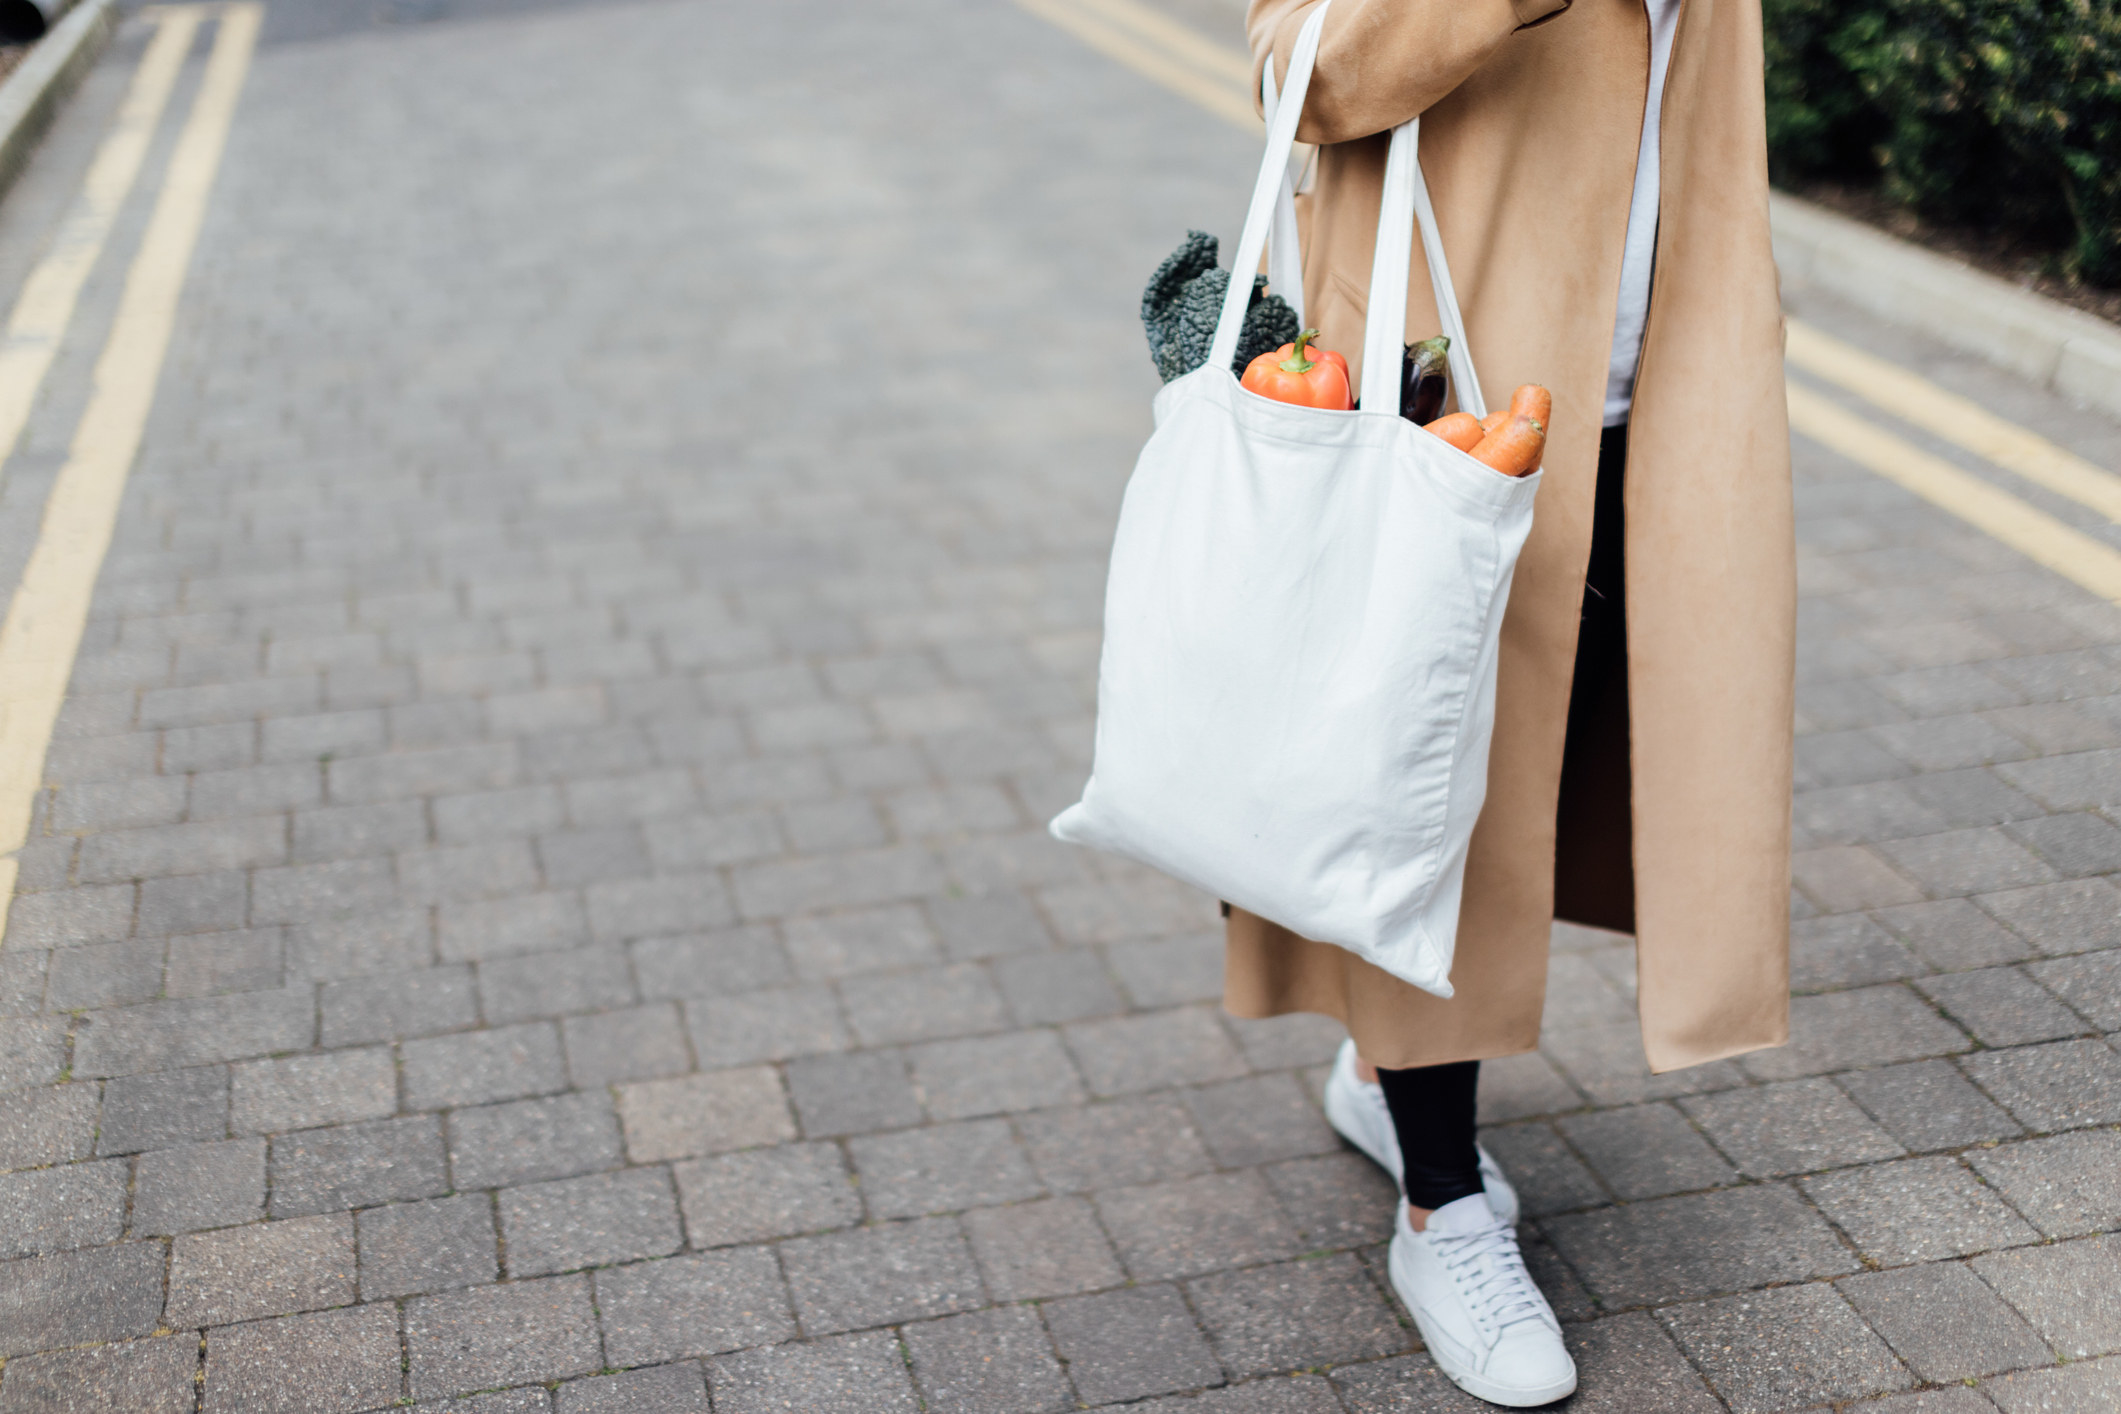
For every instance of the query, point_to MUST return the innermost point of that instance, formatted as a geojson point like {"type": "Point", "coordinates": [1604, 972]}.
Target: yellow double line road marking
{"type": "Point", "coordinates": [1219, 79]}
{"type": "Point", "coordinates": [42, 631]}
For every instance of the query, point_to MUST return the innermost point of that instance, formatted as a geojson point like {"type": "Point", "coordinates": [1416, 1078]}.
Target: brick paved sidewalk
{"type": "Point", "coordinates": [543, 886]}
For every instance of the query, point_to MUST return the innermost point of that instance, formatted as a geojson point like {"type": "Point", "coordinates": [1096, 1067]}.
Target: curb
{"type": "Point", "coordinates": [31, 95]}
{"type": "Point", "coordinates": [2066, 350]}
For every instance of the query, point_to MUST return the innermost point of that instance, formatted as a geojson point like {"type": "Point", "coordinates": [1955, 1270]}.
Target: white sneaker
{"type": "Point", "coordinates": [1483, 1319]}
{"type": "Point", "coordinates": [1358, 1111]}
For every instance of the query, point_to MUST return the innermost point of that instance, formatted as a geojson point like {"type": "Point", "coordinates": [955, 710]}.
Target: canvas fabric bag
{"type": "Point", "coordinates": [1297, 686]}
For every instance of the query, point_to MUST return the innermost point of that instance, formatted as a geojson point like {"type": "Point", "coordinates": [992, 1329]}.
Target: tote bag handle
{"type": "Point", "coordinates": [1405, 205]}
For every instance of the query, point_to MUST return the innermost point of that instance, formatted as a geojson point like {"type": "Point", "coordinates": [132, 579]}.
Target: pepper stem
{"type": "Point", "coordinates": [1296, 362]}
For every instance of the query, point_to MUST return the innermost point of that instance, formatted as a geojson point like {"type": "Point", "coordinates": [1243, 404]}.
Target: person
{"type": "Point", "coordinates": [1599, 170]}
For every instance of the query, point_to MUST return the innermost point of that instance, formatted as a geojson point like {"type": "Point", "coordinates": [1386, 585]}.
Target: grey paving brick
{"type": "Point", "coordinates": [196, 1031]}
{"type": "Point", "coordinates": [473, 1067]}
{"type": "Point", "coordinates": [551, 984]}
{"type": "Point", "coordinates": [66, 917]}
{"type": "Point", "coordinates": [2060, 918]}
{"type": "Point", "coordinates": [2091, 984]}
{"type": "Point", "coordinates": [1917, 1210]}
{"type": "Point", "coordinates": [54, 1124]}
{"type": "Point", "coordinates": [1170, 971]}
{"type": "Point", "coordinates": [2002, 1006]}
{"type": "Point", "coordinates": [704, 1114]}
{"type": "Point", "coordinates": [454, 873]}
{"type": "Point", "coordinates": [1130, 1343]}
{"type": "Point", "coordinates": [1697, 1245]}
{"type": "Point", "coordinates": [424, 1002]}
{"type": "Point", "coordinates": [1296, 1394]}
{"type": "Point", "coordinates": [881, 1275]}
{"type": "Point", "coordinates": [852, 1094]}
{"type": "Point", "coordinates": [2073, 845]}
{"type": "Point", "coordinates": [994, 1359]}
{"type": "Point", "coordinates": [196, 1186]}
{"type": "Point", "coordinates": [1515, 1087]}
{"type": "Point", "coordinates": [987, 925]}
{"type": "Point", "coordinates": [2079, 781]}
{"type": "Point", "coordinates": [500, 1335]}
{"type": "Point", "coordinates": [1335, 1200]}
{"type": "Point", "coordinates": [1928, 1105]}
{"type": "Point", "coordinates": [1259, 1120]}
{"type": "Point", "coordinates": [115, 855]}
{"type": "Point", "coordinates": [32, 1051]}
{"type": "Point", "coordinates": [2061, 1085]}
{"type": "Point", "coordinates": [326, 1360]}
{"type": "Point", "coordinates": [1607, 1064]}
{"type": "Point", "coordinates": [62, 1208]}
{"type": "Point", "coordinates": [773, 1023]}
{"type": "Point", "coordinates": [693, 1305]}
{"type": "Point", "coordinates": [635, 1044]}
{"type": "Point", "coordinates": [383, 1161]}
{"type": "Point", "coordinates": [623, 910]}
{"type": "Point", "coordinates": [1648, 1151]}
{"type": "Point", "coordinates": [371, 945]}
{"type": "Point", "coordinates": [1298, 1039]}
{"type": "Point", "coordinates": [1323, 1311]}
{"type": "Point", "coordinates": [163, 1109]}
{"type": "Point", "coordinates": [1044, 988]}
{"type": "Point", "coordinates": [1133, 1053]}
{"type": "Point", "coordinates": [483, 929]}
{"type": "Point", "coordinates": [1409, 1383]}
{"type": "Point", "coordinates": [1021, 1071]}
{"type": "Point", "coordinates": [134, 1377]}
{"type": "Point", "coordinates": [2066, 1290]}
{"type": "Point", "coordinates": [211, 964]}
{"type": "Point", "coordinates": [101, 1293]}
{"type": "Point", "coordinates": [942, 1168]}
{"type": "Point", "coordinates": [708, 841]}
{"type": "Point", "coordinates": [765, 1193]}
{"type": "Point", "coordinates": [2067, 1186]}
{"type": "Point", "coordinates": [1944, 1322]}
{"type": "Point", "coordinates": [403, 775]}
{"type": "Point", "coordinates": [1953, 934]}
{"type": "Point", "coordinates": [1189, 1226]}
{"type": "Point", "coordinates": [193, 903]}
{"type": "Point", "coordinates": [833, 945]}
{"type": "Point", "coordinates": [709, 964]}
{"type": "Point", "coordinates": [1845, 1030]}
{"type": "Point", "coordinates": [299, 1092]}
{"type": "Point", "coordinates": [924, 1005]}
{"type": "Point", "coordinates": [485, 815]}
{"type": "Point", "coordinates": [1031, 1251]}
{"type": "Point", "coordinates": [2092, 1386]}
{"type": "Point", "coordinates": [1112, 1145]}
{"type": "Point", "coordinates": [1783, 1349]}
{"type": "Point", "coordinates": [854, 1374]}
{"type": "Point", "coordinates": [497, 1146]}
{"type": "Point", "coordinates": [1846, 950]}
{"type": "Point", "coordinates": [22, 977]}
{"type": "Point", "coordinates": [213, 747]}
{"type": "Point", "coordinates": [268, 1269]}
{"type": "Point", "coordinates": [594, 1220]}
{"type": "Point", "coordinates": [412, 1249]}
{"type": "Point", "coordinates": [1548, 1177]}
{"type": "Point", "coordinates": [1794, 1127]}
{"type": "Point", "coordinates": [667, 1389]}
{"type": "Point", "coordinates": [572, 857]}
{"type": "Point", "coordinates": [1627, 1363]}
{"type": "Point", "coordinates": [1842, 878]}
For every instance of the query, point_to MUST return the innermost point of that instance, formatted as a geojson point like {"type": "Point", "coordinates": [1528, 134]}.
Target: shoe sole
{"type": "Point", "coordinates": [1476, 1385]}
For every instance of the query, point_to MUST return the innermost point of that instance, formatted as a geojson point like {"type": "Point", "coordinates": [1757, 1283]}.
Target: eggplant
{"type": "Point", "coordinates": [1425, 380]}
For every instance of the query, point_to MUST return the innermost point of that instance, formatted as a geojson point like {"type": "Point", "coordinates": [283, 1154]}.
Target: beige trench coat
{"type": "Point", "coordinates": [1532, 114]}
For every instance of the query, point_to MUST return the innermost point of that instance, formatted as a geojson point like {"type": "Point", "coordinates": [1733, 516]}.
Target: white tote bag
{"type": "Point", "coordinates": [1297, 687]}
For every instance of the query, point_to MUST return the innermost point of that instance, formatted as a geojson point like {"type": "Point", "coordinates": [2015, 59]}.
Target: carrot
{"type": "Point", "coordinates": [1461, 429]}
{"type": "Point", "coordinates": [1493, 420]}
{"type": "Point", "coordinates": [1518, 441]}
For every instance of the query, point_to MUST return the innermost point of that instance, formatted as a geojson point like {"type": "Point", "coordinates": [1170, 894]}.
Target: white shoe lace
{"type": "Point", "coordinates": [1489, 1269]}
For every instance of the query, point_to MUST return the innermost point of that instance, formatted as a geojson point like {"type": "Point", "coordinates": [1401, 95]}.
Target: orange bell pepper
{"type": "Point", "coordinates": [1291, 375]}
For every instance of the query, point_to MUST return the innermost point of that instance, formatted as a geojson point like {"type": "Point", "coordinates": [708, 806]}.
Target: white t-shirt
{"type": "Point", "coordinates": [1641, 250]}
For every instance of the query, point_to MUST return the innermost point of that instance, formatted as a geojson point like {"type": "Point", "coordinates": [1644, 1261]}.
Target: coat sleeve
{"type": "Point", "coordinates": [1381, 62]}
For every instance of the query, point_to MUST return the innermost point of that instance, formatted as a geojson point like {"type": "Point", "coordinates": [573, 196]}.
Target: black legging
{"type": "Point", "coordinates": [1433, 1106]}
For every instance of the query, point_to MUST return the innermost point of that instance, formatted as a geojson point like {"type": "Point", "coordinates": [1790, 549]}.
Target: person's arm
{"type": "Point", "coordinates": [1381, 62]}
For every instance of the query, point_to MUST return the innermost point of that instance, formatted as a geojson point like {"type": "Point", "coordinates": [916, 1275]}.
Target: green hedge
{"type": "Point", "coordinates": [1999, 114]}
